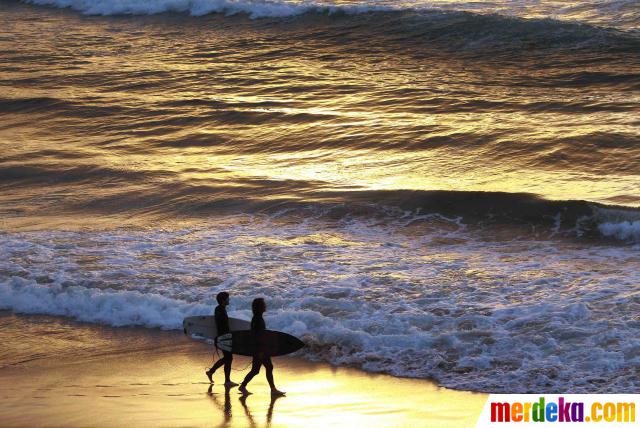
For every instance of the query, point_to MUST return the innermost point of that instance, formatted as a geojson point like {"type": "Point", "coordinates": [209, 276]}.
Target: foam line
{"type": "Point", "coordinates": [111, 307]}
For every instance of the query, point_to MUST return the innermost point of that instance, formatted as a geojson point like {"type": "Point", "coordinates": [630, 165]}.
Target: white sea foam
{"type": "Point", "coordinates": [253, 8]}
{"type": "Point", "coordinates": [624, 231]}
{"type": "Point", "coordinates": [612, 12]}
{"type": "Point", "coordinates": [111, 307]}
{"type": "Point", "coordinates": [494, 316]}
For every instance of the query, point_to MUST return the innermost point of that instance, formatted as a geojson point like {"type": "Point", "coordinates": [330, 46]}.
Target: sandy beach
{"type": "Point", "coordinates": [57, 372]}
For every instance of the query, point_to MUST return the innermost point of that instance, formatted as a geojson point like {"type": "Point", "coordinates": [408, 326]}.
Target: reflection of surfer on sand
{"type": "Point", "coordinates": [258, 326]}
{"type": "Point", "coordinates": [222, 325]}
{"type": "Point", "coordinates": [247, 412]}
{"type": "Point", "coordinates": [226, 407]}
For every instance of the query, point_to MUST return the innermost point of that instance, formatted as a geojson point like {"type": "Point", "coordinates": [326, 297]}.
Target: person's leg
{"type": "Point", "coordinates": [268, 366]}
{"type": "Point", "coordinates": [219, 363]}
{"type": "Point", "coordinates": [216, 366]}
{"type": "Point", "coordinates": [226, 360]}
{"type": "Point", "coordinates": [228, 357]}
{"type": "Point", "coordinates": [255, 369]}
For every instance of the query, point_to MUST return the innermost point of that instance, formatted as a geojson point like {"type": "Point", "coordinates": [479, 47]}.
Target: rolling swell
{"type": "Point", "coordinates": [529, 213]}
{"type": "Point", "coordinates": [622, 12]}
{"type": "Point", "coordinates": [459, 31]}
{"type": "Point", "coordinates": [158, 195]}
{"type": "Point", "coordinates": [30, 175]}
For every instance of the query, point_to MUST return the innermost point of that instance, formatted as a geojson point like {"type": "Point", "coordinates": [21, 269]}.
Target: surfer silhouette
{"type": "Point", "coordinates": [258, 326]}
{"type": "Point", "coordinates": [222, 324]}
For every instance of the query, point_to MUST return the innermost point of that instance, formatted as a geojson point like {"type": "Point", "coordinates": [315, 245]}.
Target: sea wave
{"type": "Point", "coordinates": [466, 29]}
{"type": "Point", "coordinates": [110, 307]}
{"type": "Point", "coordinates": [255, 9]}
{"type": "Point", "coordinates": [470, 314]}
{"type": "Point", "coordinates": [155, 195]}
{"type": "Point", "coordinates": [524, 348]}
{"type": "Point", "coordinates": [610, 11]}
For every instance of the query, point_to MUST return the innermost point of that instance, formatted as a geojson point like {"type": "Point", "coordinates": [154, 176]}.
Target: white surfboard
{"type": "Point", "coordinates": [205, 326]}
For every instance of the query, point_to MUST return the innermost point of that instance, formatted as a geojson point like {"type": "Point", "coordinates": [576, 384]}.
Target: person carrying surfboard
{"type": "Point", "coordinates": [258, 326]}
{"type": "Point", "coordinates": [222, 324]}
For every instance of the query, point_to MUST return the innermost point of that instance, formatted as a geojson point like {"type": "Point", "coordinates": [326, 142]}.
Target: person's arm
{"type": "Point", "coordinates": [258, 325]}
{"type": "Point", "coordinates": [219, 317]}
{"type": "Point", "coordinates": [225, 321]}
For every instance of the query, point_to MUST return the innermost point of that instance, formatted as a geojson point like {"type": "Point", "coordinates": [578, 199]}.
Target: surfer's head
{"type": "Point", "coordinates": [258, 306]}
{"type": "Point", "coordinates": [222, 298]}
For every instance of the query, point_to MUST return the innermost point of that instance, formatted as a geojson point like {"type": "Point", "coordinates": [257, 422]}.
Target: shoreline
{"type": "Point", "coordinates": [58, 372]}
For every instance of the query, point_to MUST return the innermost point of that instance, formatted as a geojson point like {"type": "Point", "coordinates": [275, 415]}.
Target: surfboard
{"type": "Point", "coordinates": [269, 343]}
{"type": "Point", "coordinates": [205, 326]}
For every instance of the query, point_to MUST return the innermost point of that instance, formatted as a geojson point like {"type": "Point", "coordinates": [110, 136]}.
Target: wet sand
{"type": "Point", "coordinates": [56, 372]}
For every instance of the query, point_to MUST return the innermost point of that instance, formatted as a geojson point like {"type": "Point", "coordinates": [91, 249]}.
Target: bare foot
{"type": "Point", "coordinates": [243, 390]}
{"type": "Point", "coordinates": [277, 393]}
{"type": "Point", "coordinates": [230, 384]}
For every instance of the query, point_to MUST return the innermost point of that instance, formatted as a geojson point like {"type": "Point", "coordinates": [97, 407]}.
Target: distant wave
{"type": "Point", "coordinates": [616, 10]}
{"type": "Point", "coordinates": [453, 29]}
{"type": "Point", "coordinates": [255, 9]}
{"type": "Point", "coordinates": [573, 218]}
{"type": "Point", "coordinates": [570, 218]}
{"type": "Point", "coordinates": [174, 113]}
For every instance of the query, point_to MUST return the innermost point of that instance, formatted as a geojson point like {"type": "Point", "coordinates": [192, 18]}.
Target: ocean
{"type": "Point", "coordinates": [433, 189]}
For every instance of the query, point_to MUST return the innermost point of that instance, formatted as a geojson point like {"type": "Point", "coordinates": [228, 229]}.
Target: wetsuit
{"type": "Point", "coordinates": [222, 324]}
{"type": "Point", "coordinates": [258, 325]}
{"type": "Point", "coordinates": [222, 320]}
{"type": "Point", "coordinates": [259, 359]}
